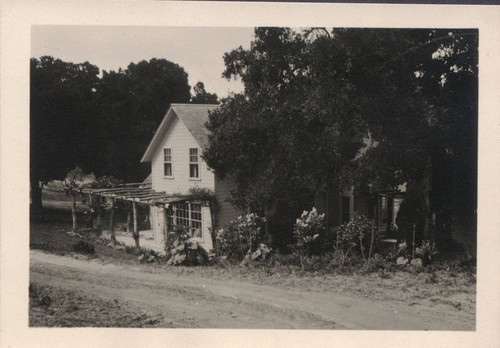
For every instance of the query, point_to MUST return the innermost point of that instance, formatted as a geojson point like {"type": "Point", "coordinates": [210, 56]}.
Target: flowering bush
{"type": "Point", "coordinates": [175, 238]}
{"type": "Point", "coordinates": [355, 235]}
{"type": "Point", "coordinates": [417, 257]}
{"type": "Point", "coordinates": [426, 252]}
{"type": "Point", "coordinates": [239, 236]}
{"type": "Point", "coordinates": [310, 233]}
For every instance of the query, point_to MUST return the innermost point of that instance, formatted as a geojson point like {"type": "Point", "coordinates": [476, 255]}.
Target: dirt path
{"type": "Point", "coordinates": [192, 301]}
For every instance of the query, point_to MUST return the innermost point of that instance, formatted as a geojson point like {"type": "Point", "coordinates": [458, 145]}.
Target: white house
{"type": "Point", "coordinates": [176, 166]}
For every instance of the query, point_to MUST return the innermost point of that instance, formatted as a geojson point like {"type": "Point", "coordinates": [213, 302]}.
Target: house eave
{"type": "Point", "coordinates": [150, 151]}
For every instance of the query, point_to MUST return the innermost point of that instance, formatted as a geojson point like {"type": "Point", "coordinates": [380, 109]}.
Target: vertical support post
{"type": "Point", "coordinates": [111, 221]}
{"type": "Point", "coordinates": [129, 217]}
{"type": "Point", "coordinates": [372, 240]}
{"type": "Point", "coordinates": [73, 210]}
{"type": "Point", "coordinates": [98, 219]}
{"type": "Point", "coordinates": [165, 228]}
{"type": "Point", "coordinates": [136, 232]}
{"type": "Point", "coordinates": [427, 207]}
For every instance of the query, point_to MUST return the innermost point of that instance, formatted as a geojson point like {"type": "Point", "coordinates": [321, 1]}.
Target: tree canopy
{"type": "Point", "coordinates": [104, 123]}
{"type": "Point", "coordinates": [313, 100]}
{"type": "Point", "coordinates": [201, 96]}
{"type": "Point", "coordinates": [132, 104]}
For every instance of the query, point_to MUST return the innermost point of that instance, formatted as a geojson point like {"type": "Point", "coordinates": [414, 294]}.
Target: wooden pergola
{"type": "Point", "coordinates": [136, 193]}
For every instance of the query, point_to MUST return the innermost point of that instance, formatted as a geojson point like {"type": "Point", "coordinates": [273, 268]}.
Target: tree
{"type": "Point", "coordinates": [419, 97]}
{"type": "Point", "coordinates": [311, 99]}
{"type": "Point", "coordinates": [62, 115]}
{"type": "Point", "coordinates": [100, 124]}
{"type": "Point", "coordinates": [73, 185]}
{"type": "Point", "coordinates": [133, 103]}
{"type": "Point", "coordinates": [201, 96]}
{"type": "Point", "coordinates": [275, 140]}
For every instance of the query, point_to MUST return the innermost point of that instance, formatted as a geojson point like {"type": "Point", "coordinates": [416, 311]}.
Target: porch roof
{"type": "Point", "coordinates": [137, 192]}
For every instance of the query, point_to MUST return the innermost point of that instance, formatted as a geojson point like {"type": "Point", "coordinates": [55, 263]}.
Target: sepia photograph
{"type": "Point", "coordinates": [267, 177]}
{"type": "Point", "coordinates": [213, 174]}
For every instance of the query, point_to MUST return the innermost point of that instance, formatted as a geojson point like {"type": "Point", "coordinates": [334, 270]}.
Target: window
{"type": "Point", "coordinates": [167, 162]}
{"type": "Point", "coordinates": [193, 163]}
{"type": "Point", "coordinates": [185, 214]}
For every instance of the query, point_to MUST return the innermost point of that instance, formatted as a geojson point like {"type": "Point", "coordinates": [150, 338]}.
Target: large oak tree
{"type": "Point", "coordinates": [311, 99]}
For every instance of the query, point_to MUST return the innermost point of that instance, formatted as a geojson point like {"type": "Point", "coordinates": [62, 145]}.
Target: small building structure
{"type": "Point", "coordinates": [178, 170]}
{"type": "Point", "coordinates": [177, 167]}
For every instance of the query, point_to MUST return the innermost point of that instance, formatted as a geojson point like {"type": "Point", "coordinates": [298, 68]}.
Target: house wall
{"type": "Point", "coordinates": [206, 235]}
{"type": "Point", "coordinates": [226, 210]}
{"type": "Point", "coordinates": [180, 140]}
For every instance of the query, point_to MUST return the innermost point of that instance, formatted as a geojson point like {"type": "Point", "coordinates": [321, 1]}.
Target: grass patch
{"type": "Point", "coordinates": [56, 307]}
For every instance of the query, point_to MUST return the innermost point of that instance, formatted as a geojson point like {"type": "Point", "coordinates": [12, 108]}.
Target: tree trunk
{"type": "Point", "coordinates": [136, 231]}
{"type": "Point", "coordinates": [73, 211]}
{"type": "Point", "coordinates": [112, 221]}
{"type": "Point", "coordinates": [427, 201]}
{"type": "Point", "coordinates": [267, 214]}
{"type": "Point", "coordinates": [320, 201]}
{"type": "Point", "coordinates": [36, 208]}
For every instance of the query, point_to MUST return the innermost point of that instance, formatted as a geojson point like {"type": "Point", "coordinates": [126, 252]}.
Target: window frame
{"type": "Point", "coordinates": [187, 214]}
{"type": "Point", "coordinates": [194, 164]}
{"type": "Point", "coordinates": [165, 162]}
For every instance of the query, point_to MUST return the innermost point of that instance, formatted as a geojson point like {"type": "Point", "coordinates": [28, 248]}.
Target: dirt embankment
{"type": "Point", "coordinates": [129, 296]}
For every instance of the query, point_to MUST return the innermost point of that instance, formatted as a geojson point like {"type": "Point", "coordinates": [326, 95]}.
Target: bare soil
{"type": "Point", "coordinates": [112, 289]}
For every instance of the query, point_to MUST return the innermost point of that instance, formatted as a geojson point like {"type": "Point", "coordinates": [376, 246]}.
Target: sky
{"type": "Point", "coordinates": [199, 50]}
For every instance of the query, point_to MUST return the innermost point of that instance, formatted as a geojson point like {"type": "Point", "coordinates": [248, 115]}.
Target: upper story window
{"type": "Point", "coordinates": [193, 163]}
{"type": "Point", "coordinates": [167, 162]}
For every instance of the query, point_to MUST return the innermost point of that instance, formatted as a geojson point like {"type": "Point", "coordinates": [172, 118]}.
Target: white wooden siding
{"type": "Point", "coordinates": [180, 140]}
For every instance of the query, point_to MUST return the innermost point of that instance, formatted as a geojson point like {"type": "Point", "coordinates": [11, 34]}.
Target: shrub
{"type": "Point", "coordinates": [355, 235]}
{"type": "Point", "coordinates": [375, 263]}
{"type": "Point", "coordinates": [84, 248]}
{"type": "Point", "coordinates": [178, 236]}
{"type": "Point", "coordinates": [426, 252]}
{"type": "Point", "coordinates": [311, 234]}
{"type": "Point", "coordinates": [188, 253]}
{"type": "Point", "coordinates": [262, 253]}
{"type": "Point", "coordinates": [239, 236]}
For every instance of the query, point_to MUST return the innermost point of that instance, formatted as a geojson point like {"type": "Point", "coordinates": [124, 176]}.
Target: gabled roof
{"type": "Point", "coordinates": [193, 116]}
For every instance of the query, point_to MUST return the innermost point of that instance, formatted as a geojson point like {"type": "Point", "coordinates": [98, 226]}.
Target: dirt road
{"type": "Point", "coordinates": [191, 301]}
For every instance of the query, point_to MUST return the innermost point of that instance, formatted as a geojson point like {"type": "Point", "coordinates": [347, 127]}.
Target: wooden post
{"type": "Point", "coordinates": [73, 210]}
{"type": "Point", "coordinates": [165, 229]}
{"type": "Point", "coordinates": [93, 212]}
{"type": "Point", "coordinates": [136, 232]}
{"type": "Point", "coordinates": [427, 201]}
{"type": "Point", "coordinates": [98, 222]}
{"type": "Point", "coordinates": [111, 221]}
{"type": "Point", "coordinates": [129, 217]}
{"type": "Point", "coordinates": [372, 240]}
